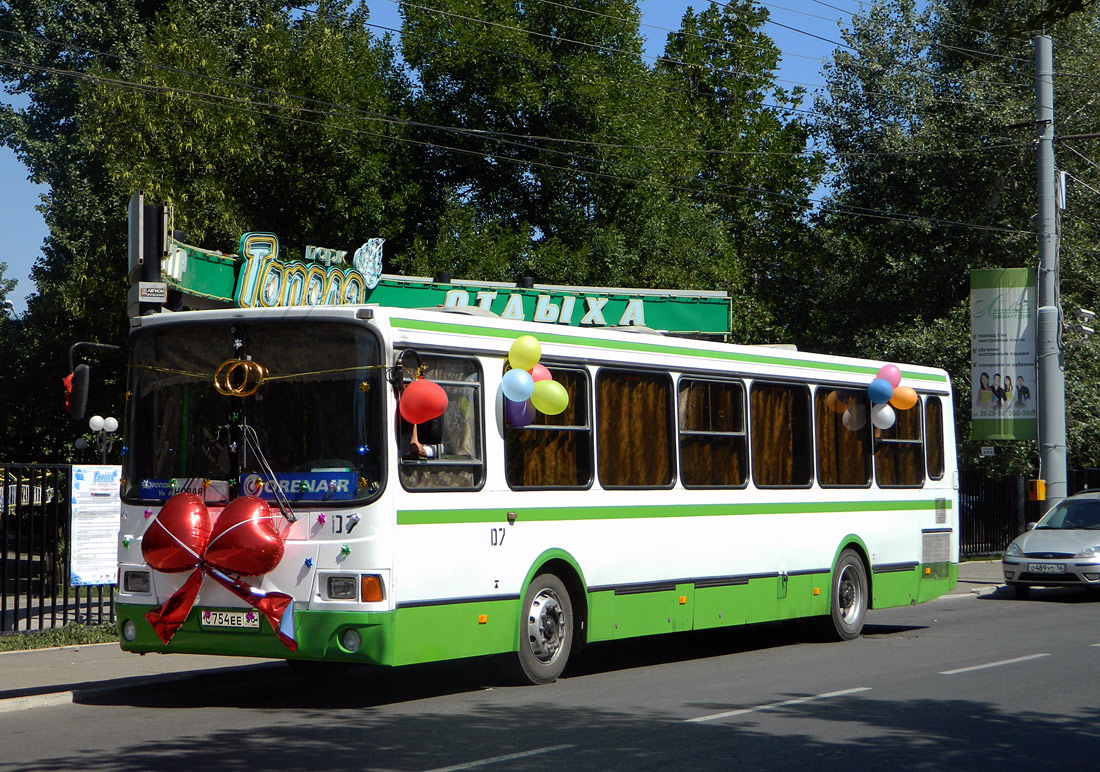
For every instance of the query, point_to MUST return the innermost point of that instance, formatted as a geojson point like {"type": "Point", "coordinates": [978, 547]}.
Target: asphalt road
{"type": "Point", "coordinates": [962, 683]}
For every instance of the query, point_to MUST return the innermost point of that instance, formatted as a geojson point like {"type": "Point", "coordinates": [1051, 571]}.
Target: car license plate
{"type": "Point", "coordinates": [1047, 568]}
{"type": "Point", "coordinates": [248, 620]}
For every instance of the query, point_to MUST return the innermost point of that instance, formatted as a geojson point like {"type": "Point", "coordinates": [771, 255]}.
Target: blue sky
{"type": "Point", "coordinates": [803, 54]}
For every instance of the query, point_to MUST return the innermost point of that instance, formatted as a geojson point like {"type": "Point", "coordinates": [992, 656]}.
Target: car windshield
{"type": "Point", "coordinates": [209, 402]}
{"type": "Point", "coordinates": [1072, 514]}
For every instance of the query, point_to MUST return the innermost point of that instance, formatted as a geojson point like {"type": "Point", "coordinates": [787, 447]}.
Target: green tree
{"type": "Point", "coordinates": [245, 116]}
{"type": "Point", "coordinates": [618, 173]}
{"type": "Point", "coordinates": [930, 119]}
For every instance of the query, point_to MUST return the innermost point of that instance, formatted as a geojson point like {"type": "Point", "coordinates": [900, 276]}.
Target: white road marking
{"type": "Point", "coordinates": [498, 759]}
{"type": "Point", "coordinates": [992, 664]}
{"type": "Point", "coordinates": [773, 705]}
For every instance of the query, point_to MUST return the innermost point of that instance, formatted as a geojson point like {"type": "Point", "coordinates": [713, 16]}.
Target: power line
{"type": "Point", "coordinates": [668, 60]}
{"type": "Point", "coordinates": [741, 191]}
{"type": "Point", "coordinates": [343, 111]}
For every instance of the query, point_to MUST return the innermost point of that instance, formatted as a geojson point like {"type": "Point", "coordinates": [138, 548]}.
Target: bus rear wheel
{"type": "Point", "coordinates": [546, 630]}
{"type": "Point", "coordinates": [848, 598]}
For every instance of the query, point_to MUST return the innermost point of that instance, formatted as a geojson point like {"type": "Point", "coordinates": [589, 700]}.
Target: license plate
{"type": "Point", "coordinates": [248, 620]}
{"type": "Point", "coordinates": [1047, 568]}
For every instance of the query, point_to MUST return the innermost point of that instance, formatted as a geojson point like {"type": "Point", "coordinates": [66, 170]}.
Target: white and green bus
{"type": "Point", "coordinates": [687, 485]}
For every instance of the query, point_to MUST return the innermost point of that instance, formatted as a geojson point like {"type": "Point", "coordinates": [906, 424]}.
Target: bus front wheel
{"type": "Point", "coordinates": [848, 598]}
{"type": "Point", "coordinates": [546, 630]}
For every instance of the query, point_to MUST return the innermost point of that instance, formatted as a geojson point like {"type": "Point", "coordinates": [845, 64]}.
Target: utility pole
{"type": "Point", "coordinates": [1051, 395]}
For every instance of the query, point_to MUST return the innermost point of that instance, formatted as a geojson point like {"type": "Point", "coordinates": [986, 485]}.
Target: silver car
{"type": "Point", "coordinates": [1061, 550]}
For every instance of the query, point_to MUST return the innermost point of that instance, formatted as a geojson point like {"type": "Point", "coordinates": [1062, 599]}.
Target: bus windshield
{"type": "Point", "coordinates": [210, 402]}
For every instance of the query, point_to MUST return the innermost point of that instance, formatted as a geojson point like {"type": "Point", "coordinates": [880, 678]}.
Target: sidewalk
{"type": "Point", "coordinates": [43, 677]}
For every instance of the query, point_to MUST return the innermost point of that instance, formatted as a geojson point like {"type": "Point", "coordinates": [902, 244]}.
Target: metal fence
{"type": "Point", "coordinates": [995, 510]}
{"type": "Point", "coordinates": [992, 512]}
{"type": "Point", "coordinates": [35, 588]}
{"type": "Point", "coordinates": [35, 506]}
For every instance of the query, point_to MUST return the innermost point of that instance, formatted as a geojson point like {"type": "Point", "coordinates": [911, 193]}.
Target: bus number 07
{"type": "Point", "coordinates": [496, 537]}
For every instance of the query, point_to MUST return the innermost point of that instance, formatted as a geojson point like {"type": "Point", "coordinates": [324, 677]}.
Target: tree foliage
{"type": "Point", "coordinates": [497, 139]}
{"type": "Point", "coordinates": [930, 115]}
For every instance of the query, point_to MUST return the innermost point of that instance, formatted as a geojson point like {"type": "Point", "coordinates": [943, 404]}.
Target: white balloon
{"type": "Point", "coordinates": [855, 418]}
{"type": "Point", "coordinates": [883, 416]}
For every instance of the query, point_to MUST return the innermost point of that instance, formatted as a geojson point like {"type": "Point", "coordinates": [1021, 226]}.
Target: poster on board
{"type": "Point", "coordinates": [96, 517]}
{"type": "Point", "coordinates": [1002, 353]}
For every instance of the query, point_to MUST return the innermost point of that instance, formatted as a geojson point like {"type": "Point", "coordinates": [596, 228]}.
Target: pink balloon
{"type": "Point", "coordinates": [890, 373]}
{"type": "Point", "coordinates": [540, 373]}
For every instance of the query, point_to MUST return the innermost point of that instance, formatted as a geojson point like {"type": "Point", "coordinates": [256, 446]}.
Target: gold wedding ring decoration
{"type": "Point", "coordinates": [239, 377]}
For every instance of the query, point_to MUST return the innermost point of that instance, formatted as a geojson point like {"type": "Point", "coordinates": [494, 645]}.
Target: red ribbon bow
{"type": "Point", "coordinates": [243, 541]}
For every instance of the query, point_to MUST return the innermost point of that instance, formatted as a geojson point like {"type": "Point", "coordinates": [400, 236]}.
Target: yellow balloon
{"type": "Point", "coordinates": [550, 397]}
{"type": "Point", "coordinates": [904, 398]}
{"type": "Point", "coordinates": [525, 352]}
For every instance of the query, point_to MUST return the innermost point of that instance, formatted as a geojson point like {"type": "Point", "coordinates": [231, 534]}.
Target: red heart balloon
{"type": "Point", "coordinates": [245, 539]}
{"type": "Point", "coordinates": [177, 538]}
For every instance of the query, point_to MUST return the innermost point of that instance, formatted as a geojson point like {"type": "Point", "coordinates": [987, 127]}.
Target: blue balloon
{"type": "Point", "coordinates": [880, 390]}
{"type": "Point", "coordinates": [518, 385]}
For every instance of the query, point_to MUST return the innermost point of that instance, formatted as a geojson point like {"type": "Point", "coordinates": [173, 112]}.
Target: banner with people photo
{"type": "Point", "coordinates": [1002, 353]}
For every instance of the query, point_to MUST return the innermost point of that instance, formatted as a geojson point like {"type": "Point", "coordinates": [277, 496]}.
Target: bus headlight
{"type": "Point", "coordinates": [136, 582]}
{"type": "Point", "coordinates": [342, 588]}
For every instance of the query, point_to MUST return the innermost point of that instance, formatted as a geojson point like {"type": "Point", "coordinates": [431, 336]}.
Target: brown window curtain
{"type": "Point", "coordinates": [713, 445]}
{"type": "Point", "coordinates": [554, 451]}
{"type": "Point", "coordinates": [782, 435]}
{"type": "Point", "coordinates": [634, 429]}
{"type": "Point", "coordinates": [933, 436]}
{"type": "Point", "coordinates": [843, 438]}
{"type": "Point", "coordinates": [899, 455]}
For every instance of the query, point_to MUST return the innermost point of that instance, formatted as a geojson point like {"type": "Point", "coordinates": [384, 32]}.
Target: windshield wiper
{"type": "Point", "coordinates": [252, 441]}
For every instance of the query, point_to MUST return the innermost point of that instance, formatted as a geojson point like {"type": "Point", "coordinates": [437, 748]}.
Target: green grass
{"type": "Point", "coordinates": [72, 634]}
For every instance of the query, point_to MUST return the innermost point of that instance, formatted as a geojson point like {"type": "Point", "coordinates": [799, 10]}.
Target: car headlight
{"type": "Point", "coordinates": [1013, 550]}
{"type": "Point", "coordinates": [1089, 552]}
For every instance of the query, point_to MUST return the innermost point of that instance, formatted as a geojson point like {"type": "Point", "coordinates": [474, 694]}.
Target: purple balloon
{"type": "Point", "coordinates": [519, 414]}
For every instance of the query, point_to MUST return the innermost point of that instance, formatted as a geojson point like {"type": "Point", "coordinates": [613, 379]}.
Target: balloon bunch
{"type": "Point", "coordinates": [242, 541]}
{"type": "Point", "coordinates": [886, 394]}
{"type": "Point", "coordinates": [528, 386]}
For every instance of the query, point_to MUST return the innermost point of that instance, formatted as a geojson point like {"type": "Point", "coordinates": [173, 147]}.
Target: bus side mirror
{"type": "Point", "coordinates": [76, 391]}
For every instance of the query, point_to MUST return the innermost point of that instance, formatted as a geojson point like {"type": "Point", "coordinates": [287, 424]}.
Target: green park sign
{"type": "Point", "coordinates": [256, 277]}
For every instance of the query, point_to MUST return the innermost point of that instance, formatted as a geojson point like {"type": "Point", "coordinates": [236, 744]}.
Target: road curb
{"type": "Point", "coordinates": [49, 700]}
{"type": "Point", "coordinates": [97, 690]}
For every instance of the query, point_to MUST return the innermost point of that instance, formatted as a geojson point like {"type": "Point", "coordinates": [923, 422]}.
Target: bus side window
{"type": "Point", "coordinates": [782, 435]}
{"type": "Point", "coordinates": [452, 446]}
{"type": "Point", "coordinates": [553, 451]}
{"type": "Point", "coordinates": [899, 451]}
{"type": "Point", "coordinates": [713, 442]}
{"type": "Point", "coordinates": [635, 434]}
{"type": "Point", "coordinates": [933, 437]}
{"type": "Point", "coordinates": [843, 437]}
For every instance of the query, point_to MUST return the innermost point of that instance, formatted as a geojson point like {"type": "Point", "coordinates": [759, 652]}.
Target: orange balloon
{"type": "Point", "coordinates": [904, 397]}
{"type": "Point", "coordinates": [836, 402]}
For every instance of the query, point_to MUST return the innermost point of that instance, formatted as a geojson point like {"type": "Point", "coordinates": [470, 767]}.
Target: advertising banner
{"type": "Point", "coordinates": [1002, 353]}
